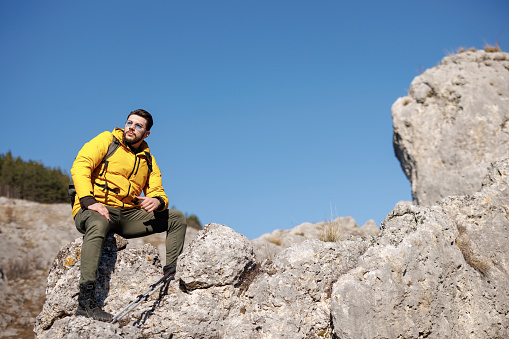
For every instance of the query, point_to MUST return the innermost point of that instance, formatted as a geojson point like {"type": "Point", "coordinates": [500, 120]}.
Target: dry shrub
{"type": "Point", "coordinates": [19, 269]}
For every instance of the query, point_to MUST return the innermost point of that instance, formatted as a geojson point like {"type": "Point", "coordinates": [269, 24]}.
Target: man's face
{"type": "Point", "coordinates": [135, 130]}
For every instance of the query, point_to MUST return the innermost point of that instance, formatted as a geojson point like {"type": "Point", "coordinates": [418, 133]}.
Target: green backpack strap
{"type": "Point", "coordinates": [149, 162]}
{"type": "Point", "coordinates": [115, 143]}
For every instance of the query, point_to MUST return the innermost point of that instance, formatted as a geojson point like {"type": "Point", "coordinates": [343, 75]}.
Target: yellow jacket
{"type": "Point", "coordinates": [125, 177]}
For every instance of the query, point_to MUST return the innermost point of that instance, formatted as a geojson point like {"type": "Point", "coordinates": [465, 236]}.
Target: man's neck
{"type": "Point", "coordinates": [134, 148]}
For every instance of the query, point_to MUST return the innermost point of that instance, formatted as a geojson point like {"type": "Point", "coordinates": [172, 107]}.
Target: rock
{"type": "Point", "coordinates": [270, 244]}
{"type": "Point", "coordinates": [122, 275]}
{"type": "Point", "coordinates": [228, 254]}
{"type": "Point", "coordinates": [453, 124]}
{"type": "Point", "coordinates": [439, 271]}
{"type": "Point", "coordinates": [219, 290]}
{"type": "Point", "coordinates": [290, 298]}
{"type": "Point", "coordinates": [81, 327]}
{"type": "Point", "coordinates": [158, 240]}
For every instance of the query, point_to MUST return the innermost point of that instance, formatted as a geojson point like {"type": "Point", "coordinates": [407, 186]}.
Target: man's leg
{"type": "Point", "coordinates": [95, 227]}
{"type": "Point", "coordinates": [136, 223]}
{"type": "Point", "coordinates": [177, 226]}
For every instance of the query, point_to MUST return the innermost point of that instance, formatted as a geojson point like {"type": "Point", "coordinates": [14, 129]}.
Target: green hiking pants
{"type": "Point", "coordinates": [128, 223]}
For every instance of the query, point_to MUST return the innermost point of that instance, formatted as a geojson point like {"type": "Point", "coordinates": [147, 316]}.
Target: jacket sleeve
{"type": "Point", "coordinates": [154, 186]}
{"type": "Point", "coordinates": [89, 157]}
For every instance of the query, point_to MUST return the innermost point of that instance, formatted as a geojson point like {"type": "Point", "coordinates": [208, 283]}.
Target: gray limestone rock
{"type": "Point", "coordinates": [453, 124]}
{"type": "Point", "coordinates": [270, 244]}
{"type": "Point", "coordinates": [290, 297]}
{"type": "Point", "coordinates": [80, 327]}
{"type": "Point", "coordinates": [123, 274]}
{"type": "Point", "coordinates": [435, 272]}
{"type": "Point", "coordinates": [228, 254]}
{"type": "Point", "coordinates": [219, 291]}
{"type": "Point", "coordinates": [432, 272]}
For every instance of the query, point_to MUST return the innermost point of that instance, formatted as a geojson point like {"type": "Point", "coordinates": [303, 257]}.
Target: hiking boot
{"type": "Point", "coordinates": [87, 305]}
{"type": "Point", "coordinates": [170, 271]}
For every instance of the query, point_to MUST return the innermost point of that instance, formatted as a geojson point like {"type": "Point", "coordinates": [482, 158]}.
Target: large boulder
{"type": "Point", "coordinates": [453, 124]}
{"type": "Point", "coordinates": [438, 272]}
{"type": "Point", "coordinates": [122, 275]}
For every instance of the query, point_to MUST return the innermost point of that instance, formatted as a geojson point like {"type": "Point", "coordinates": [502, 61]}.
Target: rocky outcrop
{"type": "Point", "coordinates": [439, 271]}
{"type": "Point", "coordinates": [453, 124]}
{"type": "Point", "coordinates": [220, 291]}
{"type": "Point", "coordinates": [31, 235]}
{"type": "Point", "coordinates": [270, 244]}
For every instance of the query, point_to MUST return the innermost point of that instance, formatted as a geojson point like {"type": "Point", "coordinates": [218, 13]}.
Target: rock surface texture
{"type": "Point", "coordinates": [435, 272]}
{"type": "Point", "coordinates": [453, 124]}
{"type": "Point", "coordinates": [432, 272]}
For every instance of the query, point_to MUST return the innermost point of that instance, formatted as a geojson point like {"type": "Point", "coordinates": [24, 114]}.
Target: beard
{"type": "Point", "coordinates": [132, 139]}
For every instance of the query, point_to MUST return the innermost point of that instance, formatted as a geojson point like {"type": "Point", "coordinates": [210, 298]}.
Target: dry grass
{"type": "Point", "coordinates": [330, 231]}
{"type": "Point", "coordinates": [274, 240]}
{"type": "Point", "coordinates": [487, 48]}
{"type": "Point", "coordinates": [463, 50]}
{"type": "Point", "coordinates": [492, 49]}
{"type": "Point", "coordinates": [9, 214]}
{"type": "Point", "coordinates": [19, 269]}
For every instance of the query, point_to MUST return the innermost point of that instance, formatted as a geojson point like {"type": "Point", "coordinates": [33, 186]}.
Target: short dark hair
{"type": "Point", "coordinates": [145, 115]}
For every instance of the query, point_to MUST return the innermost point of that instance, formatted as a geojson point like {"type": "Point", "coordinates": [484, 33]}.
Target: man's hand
{"type": "Point", "coordinates": [101, 209]}
{"type": "Point", "coordinates": [149, 204]}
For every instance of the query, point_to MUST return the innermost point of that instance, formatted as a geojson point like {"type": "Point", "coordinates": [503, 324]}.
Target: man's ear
{"type": "Point", "coordinates": [147, 133]}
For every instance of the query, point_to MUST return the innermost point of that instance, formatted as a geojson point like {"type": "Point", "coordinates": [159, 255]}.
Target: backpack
{"type": "Point", "coordinates": [115, 143]}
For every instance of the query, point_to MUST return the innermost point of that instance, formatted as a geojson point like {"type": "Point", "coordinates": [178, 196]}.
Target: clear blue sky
{"type": "Point", "coordinates": [267, 113]}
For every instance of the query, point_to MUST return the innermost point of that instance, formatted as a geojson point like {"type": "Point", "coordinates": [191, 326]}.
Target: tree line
{"type": "Point", "coordinates": [31, 180]}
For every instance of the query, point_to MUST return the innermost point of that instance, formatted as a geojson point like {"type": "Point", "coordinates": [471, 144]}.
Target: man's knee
{"type": "Point", "coordinates": [97, 225]}
{"type": "Point", "coordinates": [176, 220]}
{"type": "Point", "coordinates": [177, 217]}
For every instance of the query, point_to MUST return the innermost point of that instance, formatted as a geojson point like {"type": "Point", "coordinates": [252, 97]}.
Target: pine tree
{"type": "Point", "coordinates": [31, 180]}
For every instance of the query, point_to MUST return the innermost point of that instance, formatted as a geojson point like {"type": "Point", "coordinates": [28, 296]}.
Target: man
{"type": "Point", "coordinates": [108, 198]}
